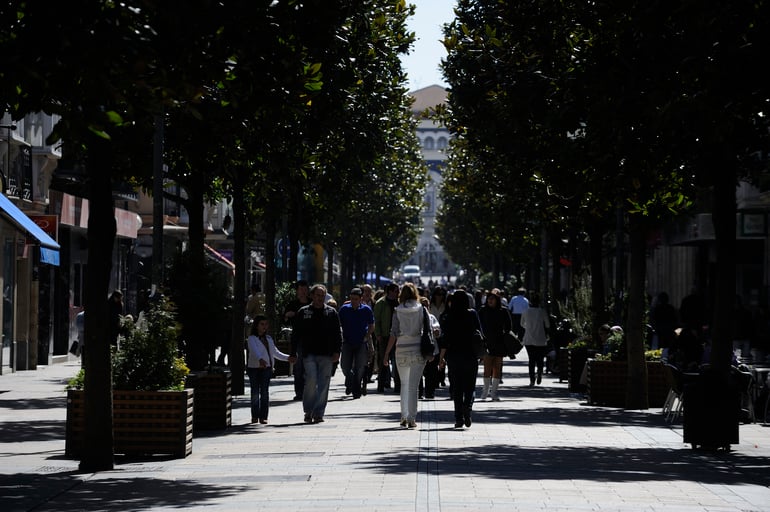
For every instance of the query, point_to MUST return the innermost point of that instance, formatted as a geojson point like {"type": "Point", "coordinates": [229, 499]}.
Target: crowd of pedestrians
{"type": "Point", "coordinates": [374, 336]}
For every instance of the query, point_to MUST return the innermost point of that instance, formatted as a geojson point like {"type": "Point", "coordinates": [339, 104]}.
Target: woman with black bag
{"type": "Point", "coordinates": [457, 352]}
{"type": "Point", "coordinates": [495, 322]}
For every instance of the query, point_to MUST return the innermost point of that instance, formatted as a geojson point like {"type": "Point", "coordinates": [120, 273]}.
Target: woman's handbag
{"type": "Point", "coordinates": [512, 344]}
{"type": "Point", "coordinates": [479, 344]}
{"type": "Point", "coordinates": [427, 341]}
{"type": "Point", "coordinates": [75, 348]}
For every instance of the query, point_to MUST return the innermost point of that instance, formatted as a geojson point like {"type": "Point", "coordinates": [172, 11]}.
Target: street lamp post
{"type": "Point", "coordinates": [4, 176]}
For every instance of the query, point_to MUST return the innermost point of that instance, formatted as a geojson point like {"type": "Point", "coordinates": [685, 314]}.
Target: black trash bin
{"type": "Point", "coordinates": [711, 410]}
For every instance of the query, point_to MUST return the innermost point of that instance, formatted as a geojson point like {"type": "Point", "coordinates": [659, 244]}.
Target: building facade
{"type": "Point", "coordinates": [434, 141]}
{"type": "Point", "coordinates": [29, 252]}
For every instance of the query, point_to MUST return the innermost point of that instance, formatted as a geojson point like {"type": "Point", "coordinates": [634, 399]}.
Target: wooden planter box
{"type": "Point", "coordinates": [213, 399]}
{"type": "Point", "coordinates": [144, 422]}
{"type": "Point", "coordinates": [562, 364]}
{"type": "Point", "coordinates": [576, 360]}
{"type": "Point", "coordinates": [607, 382]}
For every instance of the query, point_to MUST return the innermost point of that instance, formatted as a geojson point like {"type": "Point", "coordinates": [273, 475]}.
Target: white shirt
{"type": "Point", "coordinates": [535, 322]}
{"type": "Point", "coordinates": [407, 323]}
{"type": "Point", "coordinates": [257, 351]}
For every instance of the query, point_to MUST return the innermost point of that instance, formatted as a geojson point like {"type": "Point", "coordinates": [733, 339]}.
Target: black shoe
{"type": "Point", "coordinates": [308, 418]}
{"type": "Point", "coordinates": [539, 379]}
{"type": "Point", "coordinates": [458, 424]}
{"type": "Point", "coordinates": [468, 421]}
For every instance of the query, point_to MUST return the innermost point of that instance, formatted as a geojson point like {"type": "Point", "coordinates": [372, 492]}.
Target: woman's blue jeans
{"type": "Point", "coordinates": [259, 381]}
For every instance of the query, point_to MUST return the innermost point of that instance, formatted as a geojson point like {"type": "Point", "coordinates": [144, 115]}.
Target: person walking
{"type": "Point", "coordinates": [431, 372]}
{"type": "Point", "coordinates": [115, 307]}
{"type": "Point", "coordinates": [517, 305]}
{"type": "Point", "coordinates": [438, 307]}
{"type": "Point", "coordinates": [255, 303]}
{"type": "Point", "coordinates": [460, 324]}
{"type": "Point", "coordinates": [357, 320]}
{"type": "Point", "coordinates": [405, 334]}
{"type": "Point", "coordinates": [368, 299]}
{"type": "Point", "coordinates": [495, 322]}
{"type": "Point", "coordinates": [80, 325]}
{"type": "Point", "coordinates": [383, 315]}
{"type": "Point", "coordinates": [259, 367]}
{"type": "Point", "coordinates": [535, 322]}
{"type": "Point", "coordinates": [663, 318]}
{"type": "Point", "coordinates": [317, 330]}
{"type": "Point", "coordinates": [302, 290]}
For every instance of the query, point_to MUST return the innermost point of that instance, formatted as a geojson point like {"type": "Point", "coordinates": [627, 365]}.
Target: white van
{"type": "Point", "coordinates": [411, 273]}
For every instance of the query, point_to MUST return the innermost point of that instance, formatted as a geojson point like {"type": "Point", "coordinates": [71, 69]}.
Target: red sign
{"type": "Point", "coordinates": [48, 223]}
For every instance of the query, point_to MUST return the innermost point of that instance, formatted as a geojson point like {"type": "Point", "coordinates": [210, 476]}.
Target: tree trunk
{"type": "Point", "coordinates": [636, 390]}
{"type": "Point", "coordinates": [597, 278]}
{"type": "Point", "coordinates": [330, 266]}
{"type": "Point", "coordinates": [97, 452]}
{"type": "Point", "coordinates": [269, 227]}
{"type": "Point", "coordinates": [293, 245]}
{"type": "Point", "coordinates": [724, 292]}
{"type": "Point", "coordinates": [542, 283]}
{"type": "Point", "coordinates": [555, 285]}
{"type": "Point", "coordinates": [346, 267]}
{"type": "Point", "coordinates": [236, 355]}
{"type": "Point", "coordinates": [197, 331]}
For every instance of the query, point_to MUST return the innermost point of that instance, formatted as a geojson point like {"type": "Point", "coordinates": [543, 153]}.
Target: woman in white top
{"type": "Point", "coordinates": [259, 367]}
{"type": "Point", "coordinates": [534, 321]}
{"type": "Point", "coordinates": [405, 334]}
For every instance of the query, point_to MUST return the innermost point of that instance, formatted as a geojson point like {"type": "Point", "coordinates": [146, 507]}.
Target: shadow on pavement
{"type": "Point", "coordinates": [598, 464]}
{"type": "Point", "coordinates": [34, 403]}
{"type": "Point", "coordinates": [19, 432]}
{"type": "Point", "coordinates": [72, 491]}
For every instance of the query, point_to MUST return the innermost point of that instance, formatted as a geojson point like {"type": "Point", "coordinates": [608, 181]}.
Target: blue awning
{"type": "Point", "coordinates": [49, 249]}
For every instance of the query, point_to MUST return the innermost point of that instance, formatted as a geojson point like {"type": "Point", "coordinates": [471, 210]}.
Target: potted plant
{"type": "Point", "coordinates": [578, 353]}
{"type": "Point", "coordinates": [152, 411]}
{"type": "Point", "coordinates": [608, 376]}
{"type": "Point", "coordinates": [213, 397]}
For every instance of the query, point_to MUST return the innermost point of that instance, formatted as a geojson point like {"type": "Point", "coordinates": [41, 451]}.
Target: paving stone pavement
{"type": "Point", "coordinates": [537, 449]}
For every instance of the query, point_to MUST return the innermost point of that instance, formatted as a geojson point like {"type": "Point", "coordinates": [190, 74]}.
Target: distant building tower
{"type": "Point", "coordinates": [434, 140]}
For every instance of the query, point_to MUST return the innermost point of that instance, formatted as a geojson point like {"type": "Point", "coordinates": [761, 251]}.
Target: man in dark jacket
{"type": "Point", "coordinates": [317, 330]}
{"type": "Point", "coordinates": [383, 314]}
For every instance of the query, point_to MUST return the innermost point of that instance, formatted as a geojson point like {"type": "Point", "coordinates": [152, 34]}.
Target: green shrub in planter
{"type": "Point", "coordinates": [148, 359]}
